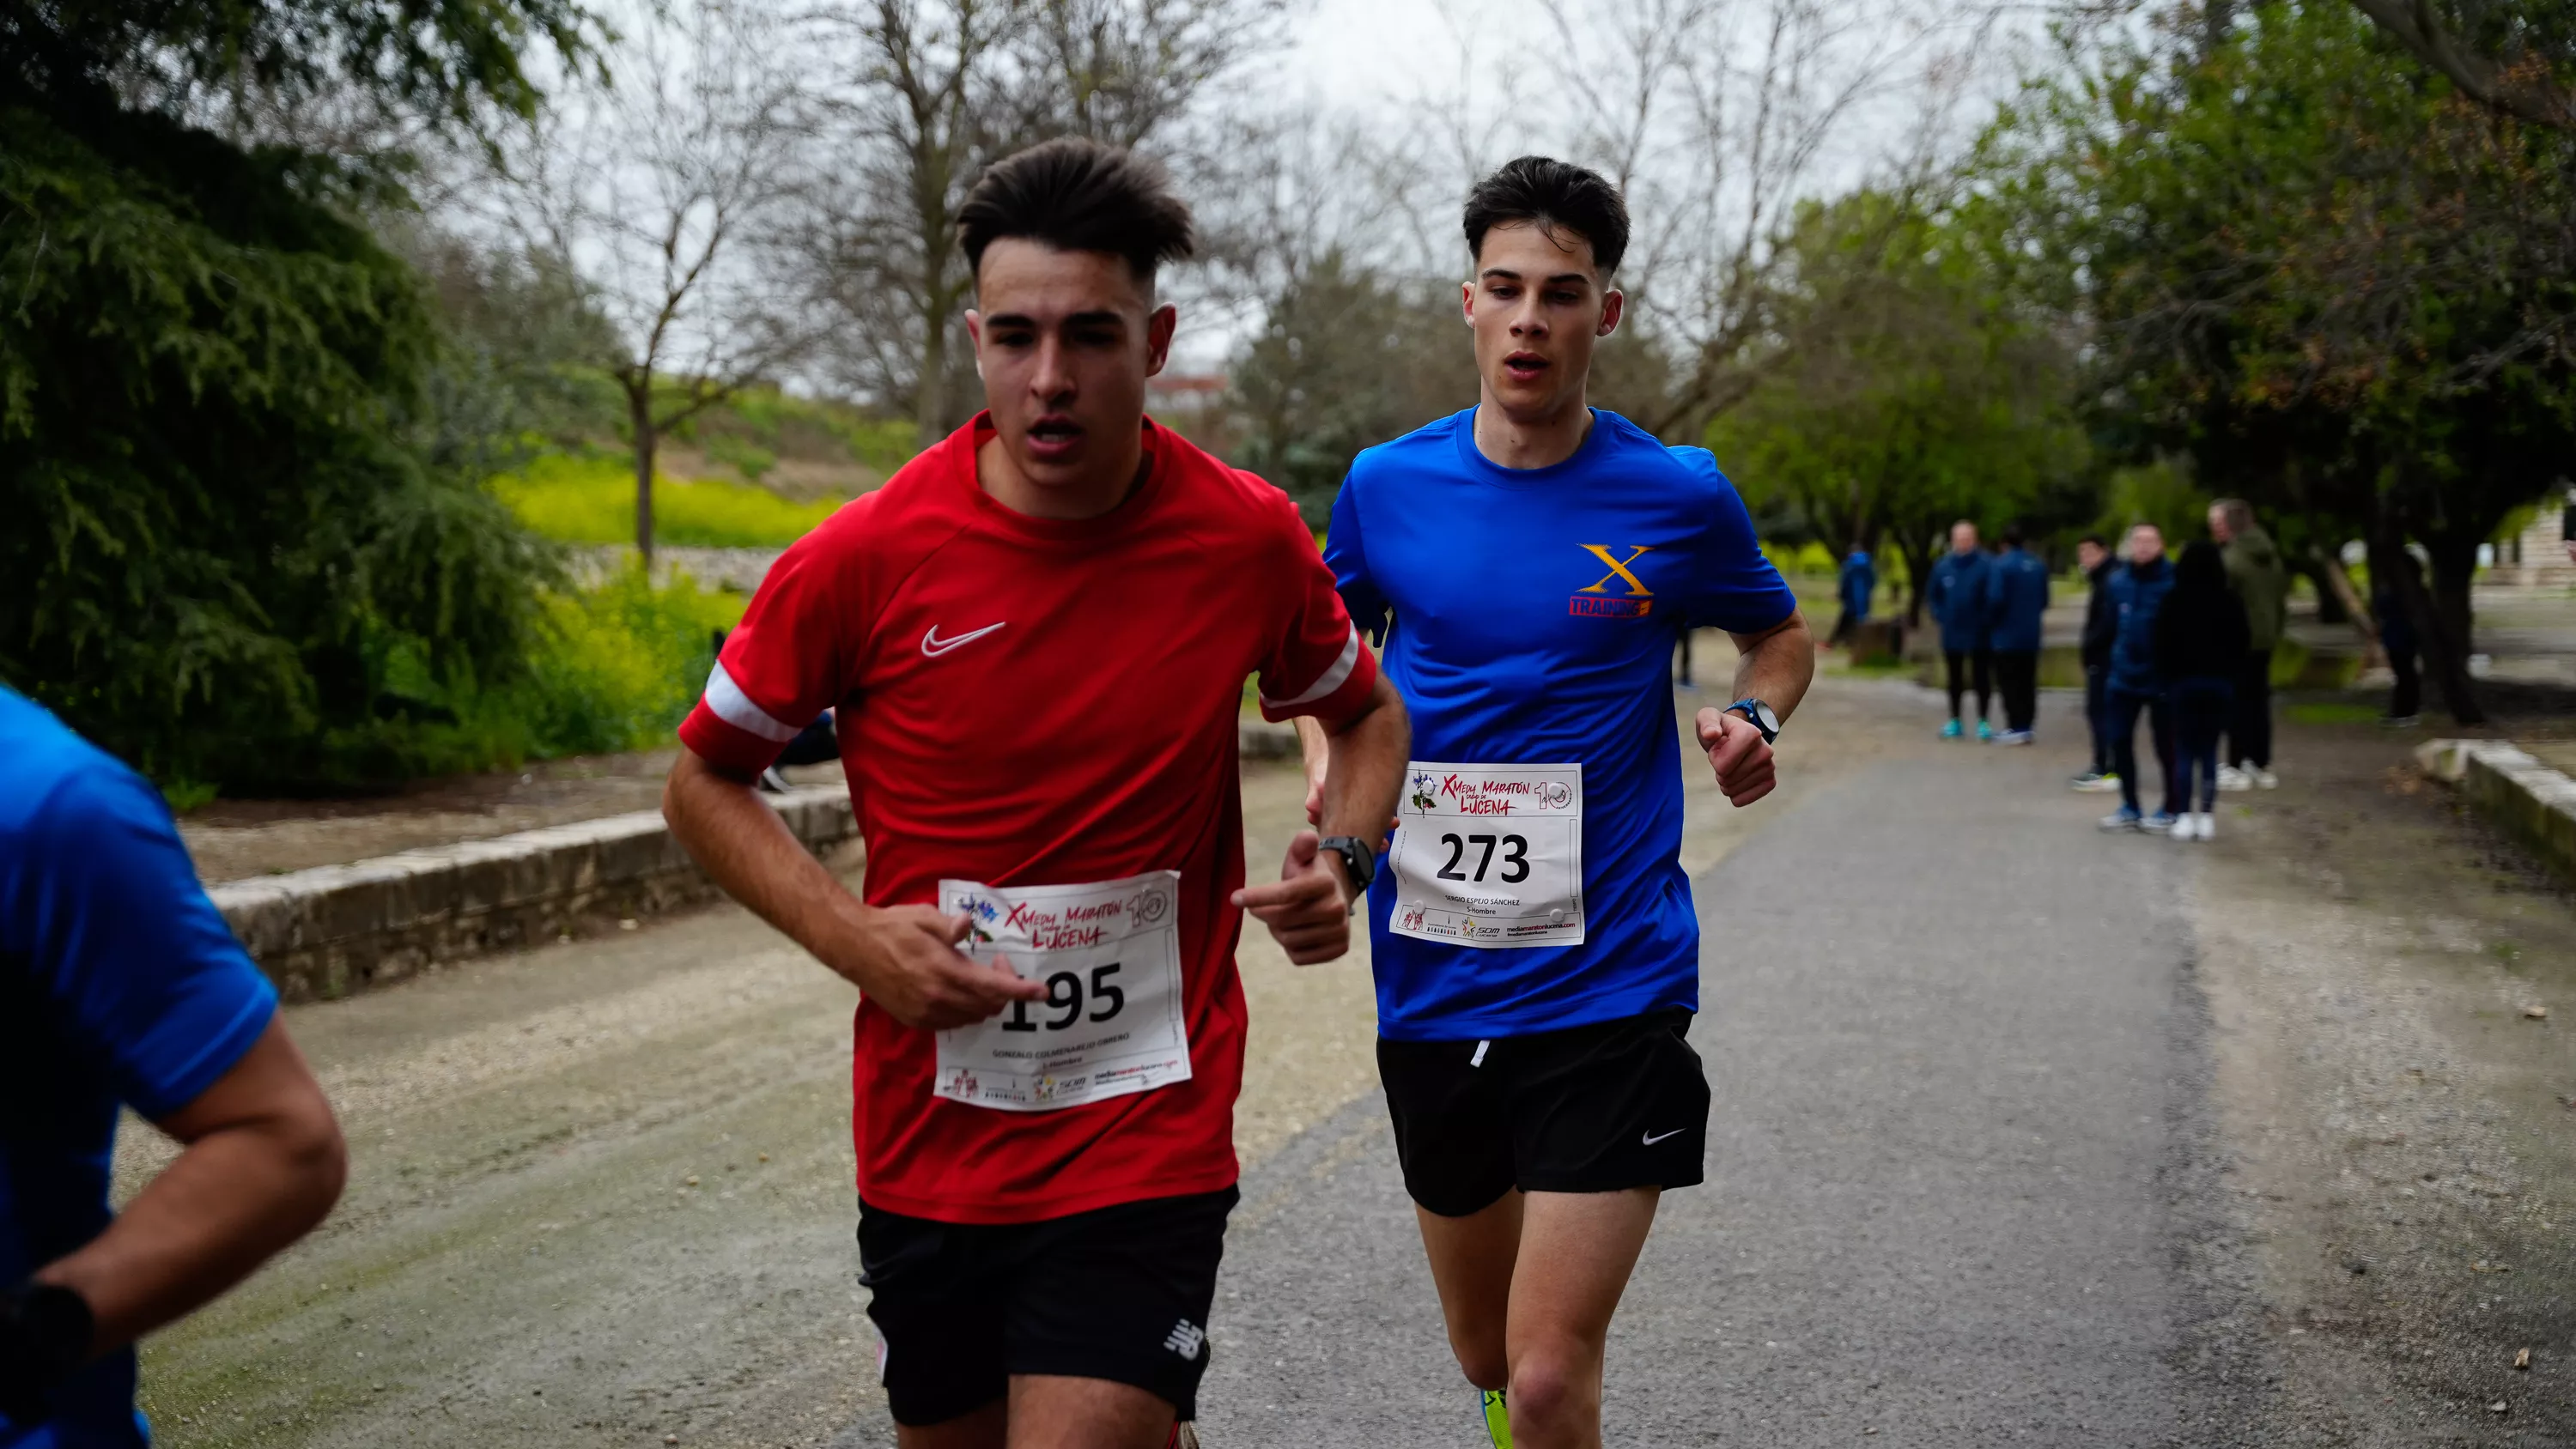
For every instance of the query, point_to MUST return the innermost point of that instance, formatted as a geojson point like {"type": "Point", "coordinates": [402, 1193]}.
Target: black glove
{"type": "Point", "coordinates": [44, 1335]}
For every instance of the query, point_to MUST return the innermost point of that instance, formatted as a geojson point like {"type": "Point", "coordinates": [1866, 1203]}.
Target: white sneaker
{"type": "Point", "coordinates": [2232, 778]}
{"type": "Point", "coordinates": [2208, 826]}
{"type": "Point", "coordinates": [2267, 779]}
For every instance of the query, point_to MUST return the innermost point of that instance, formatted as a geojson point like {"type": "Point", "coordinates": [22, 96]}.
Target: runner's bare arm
{"type": "Point", "coordinates": [1776, 667]}
{"type": "Point", "coordinates": [904, 957]}
{"type": "Point", "coordinates": [263, 1163]}
{"type": "Point", "coordinates": [1354, 793]}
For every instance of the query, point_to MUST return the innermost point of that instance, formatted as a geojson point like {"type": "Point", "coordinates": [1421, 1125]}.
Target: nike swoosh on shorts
{"type": "Point", "coordinates": [1676, 1132]}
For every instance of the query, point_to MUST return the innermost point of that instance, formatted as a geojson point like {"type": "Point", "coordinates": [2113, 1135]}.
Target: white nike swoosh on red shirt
{"type": "Point", "coordinates": [932, 646]}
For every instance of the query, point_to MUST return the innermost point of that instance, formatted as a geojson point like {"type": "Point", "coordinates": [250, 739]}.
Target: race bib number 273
{"type": "Point", "coordinates": [1490, 855]}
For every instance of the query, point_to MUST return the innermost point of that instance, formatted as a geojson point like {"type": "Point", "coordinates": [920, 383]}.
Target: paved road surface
{"type": "Point", "coordinates": [1958, 1194]}
{"type": "Point", "coordinates": [1957, 1186]}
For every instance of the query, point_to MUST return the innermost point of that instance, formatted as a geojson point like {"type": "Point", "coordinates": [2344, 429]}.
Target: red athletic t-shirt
{"type": "Point", "coordinates": [1029, 701]}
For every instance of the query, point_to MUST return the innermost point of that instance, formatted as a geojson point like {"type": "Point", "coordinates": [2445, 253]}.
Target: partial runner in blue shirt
{"type": "Point", "coordinates": [1528, 566]}
{"type": "Point", "coordinates": [1526, 617]}
{"type": "Point", "coordinates": [121, 986]}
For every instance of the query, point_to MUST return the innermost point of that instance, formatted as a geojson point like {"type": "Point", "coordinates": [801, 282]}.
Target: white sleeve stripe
{"type": "Point", "coordinates": [735, 708]}
{"type": "Point", "coordinates": [1334, 678]}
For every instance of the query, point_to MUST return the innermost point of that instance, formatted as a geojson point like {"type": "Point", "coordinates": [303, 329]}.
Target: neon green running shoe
{"type": "Point", "coordinates": [1498, 1420]}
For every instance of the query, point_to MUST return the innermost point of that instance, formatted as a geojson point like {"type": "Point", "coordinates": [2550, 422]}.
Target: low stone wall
{"type": "Point", "coordinates": [327, 932]}
{"type": "Point", "coordinates": [2504, 786]}
{"type": "Point", "coordinates": [738, 569]}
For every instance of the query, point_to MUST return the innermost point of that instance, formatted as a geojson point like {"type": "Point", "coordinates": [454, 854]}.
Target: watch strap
{"type": "Point", "coordinates": [1357, 859]}
{"type": "Point", "coordinates": [45, 1332]}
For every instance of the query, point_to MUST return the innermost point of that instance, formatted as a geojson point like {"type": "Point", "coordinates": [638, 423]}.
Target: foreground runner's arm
{"type": "Point", "coordinates": [1352, 774]}
{"type": "Point", "coordinates": [1776, 667]}
{"type": "Point", "coordinates": [904, 957]}
{"type": "Point", "coordinates": [263, 1163]}
{"type": "Point", "coordinates": [142, 984]}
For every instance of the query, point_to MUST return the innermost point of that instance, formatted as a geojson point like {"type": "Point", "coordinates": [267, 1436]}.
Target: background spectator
{"type": "Point", "coordinates": [2093, 556]}
{"type": "Point", "coordinates": [1957, 599]}
{"type": "Point", "coordinates": [2017, 597]}
{"type": "Point", "coordinates": [2200, 648]}
{"type": "Point", "coordinates": [1857, 585]}
{"type": "Point", "coordinates": [2136, 685]}
{"type": "Point", "coordinates": [2261, 582]}
{"type": "Point", "coordinates": [2397, 636]}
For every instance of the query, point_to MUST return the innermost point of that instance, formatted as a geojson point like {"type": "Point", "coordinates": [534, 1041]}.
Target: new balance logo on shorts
{"type": "Point", "coordinates": [1185, 1339]}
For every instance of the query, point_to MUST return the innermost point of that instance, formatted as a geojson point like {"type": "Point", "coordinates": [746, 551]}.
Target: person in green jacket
{"type": "Point", "coordinates": [2259, 579]}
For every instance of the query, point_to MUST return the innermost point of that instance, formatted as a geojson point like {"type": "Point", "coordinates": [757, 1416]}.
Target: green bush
{"type": "Point", "coordinates": [621, 663]}
{"type": "Point", "coordinates": [590, 498]}
{"type": "Point", "coordinates": [611, 668]}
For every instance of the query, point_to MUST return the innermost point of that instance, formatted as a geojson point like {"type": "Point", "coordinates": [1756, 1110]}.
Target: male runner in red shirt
{"type": "Point", "coordinates": [1036, 636]}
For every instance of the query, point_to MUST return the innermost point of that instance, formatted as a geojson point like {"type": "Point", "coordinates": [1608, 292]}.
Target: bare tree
{"type": "Point", "coordinates": [1715, 118]}
{"type": "Point", "coordinates": [662, 191]}
{"type": "Point", "coordinates": [929, 93]}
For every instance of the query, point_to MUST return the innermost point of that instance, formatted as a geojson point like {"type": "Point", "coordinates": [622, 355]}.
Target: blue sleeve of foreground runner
{"type": "Point", "coordinates": [143, 974]}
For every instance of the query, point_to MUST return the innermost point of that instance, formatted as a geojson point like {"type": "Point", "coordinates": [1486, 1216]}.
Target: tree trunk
{"type": "Point", "coordinates": [2334, 590]}
{"type": "Point", "coordinates": [639, 413]}
{"type": "Point", "coordinates": [1918, 556]}
{"type": "Point", "coordinates": [2337, 586]}
{"type": "Point", "coordinates": [2455, 567]}
{"type": "Point", "coordinates": [930, 391]}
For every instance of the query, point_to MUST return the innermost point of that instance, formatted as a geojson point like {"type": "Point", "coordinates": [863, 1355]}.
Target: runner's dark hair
{"type": "Point", "coordinates": [1079, 196]}
{"type": "Point", "coordinates": [2012, 535]}
{"type": "Point", "coordinates": [1559, 197]}
{"type": "Point", "coordinates": [2095, 539]}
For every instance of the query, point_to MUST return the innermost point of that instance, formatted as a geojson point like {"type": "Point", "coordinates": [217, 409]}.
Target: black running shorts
{"type": "Point", "coordinates": [1118, 1293]}
{"type": "Point", "coordinates": [1598, 1108]}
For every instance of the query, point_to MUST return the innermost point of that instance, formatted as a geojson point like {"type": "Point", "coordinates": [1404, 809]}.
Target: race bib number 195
{"type": "Point", "coordinates": [1111, 1022]}
{"type": "Point", "coordinates": [1490, 855]}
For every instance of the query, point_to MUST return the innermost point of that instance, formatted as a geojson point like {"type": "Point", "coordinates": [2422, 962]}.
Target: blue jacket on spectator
{"type": "Point", "coordinates": [2137, 597]}
{"type": "Point", "coordinates": [2017, 594]}
{"type": "Point", "coordinates": [1957, 598]}
{"type": "Point", "coordinates": [1860, 583]}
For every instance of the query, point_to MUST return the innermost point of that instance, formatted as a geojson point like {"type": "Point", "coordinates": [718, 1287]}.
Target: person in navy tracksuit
{"type": "Point", "coordinates": [1957, 598]}
{"type": "Point", "coordinates": [1859, 581]}
{"type": "Point", "coordinates": [2137, 684]}
{"type": "Point", "coordinates": [2017, 595]}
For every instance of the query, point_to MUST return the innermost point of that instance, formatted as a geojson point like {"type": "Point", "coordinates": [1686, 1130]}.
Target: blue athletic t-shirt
{"type": "Point", "coordinates": [119, 984]}
{"type": "Point", "coordinates": [1529, 617]}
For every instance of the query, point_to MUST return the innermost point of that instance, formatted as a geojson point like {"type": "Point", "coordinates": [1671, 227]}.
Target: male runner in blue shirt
{"type": "Point", "coordinates": [1531, 563]}
{"type": "Point", "coordinates": [121, 985]}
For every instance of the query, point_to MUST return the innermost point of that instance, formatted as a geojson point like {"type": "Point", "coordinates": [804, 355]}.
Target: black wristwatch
{"type": "Point", "coordinates": [1761, 715]}
{"type": "Point", "coordinates": [45, 1331]}
{"type": "Point", "coordinates": [1357, 859]}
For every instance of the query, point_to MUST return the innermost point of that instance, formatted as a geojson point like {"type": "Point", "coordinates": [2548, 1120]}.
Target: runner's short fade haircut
{"type": "Point", "coordinates": [1079, 196]}
{"type": "Point", "coordinates": [1557, 196]}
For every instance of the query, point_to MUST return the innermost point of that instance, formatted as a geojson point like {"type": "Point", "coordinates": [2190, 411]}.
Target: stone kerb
{"type": "Point", "coordinates": [2504, 785]}
{"type": "Point", "coordinates": [335, 929]}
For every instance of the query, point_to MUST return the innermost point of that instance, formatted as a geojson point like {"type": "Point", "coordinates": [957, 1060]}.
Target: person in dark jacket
{"type": "Point", "coordinates": [1957, 597]}
{"type": "Point", "coordinates": [1859, 583]}
{"type": "Point", "coordinates": [2136, 685]}
{"type": "Point", "coordinates": [2201, 643]}
{"type": "Point", "coordinates": [2260, 581]}
{"type": "Point", "coordinates": [2093, 556]}
{"type": "Point", "coordinates": [2397, 637]}
{"type": "Point", "coordinates": [2016, 598]}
